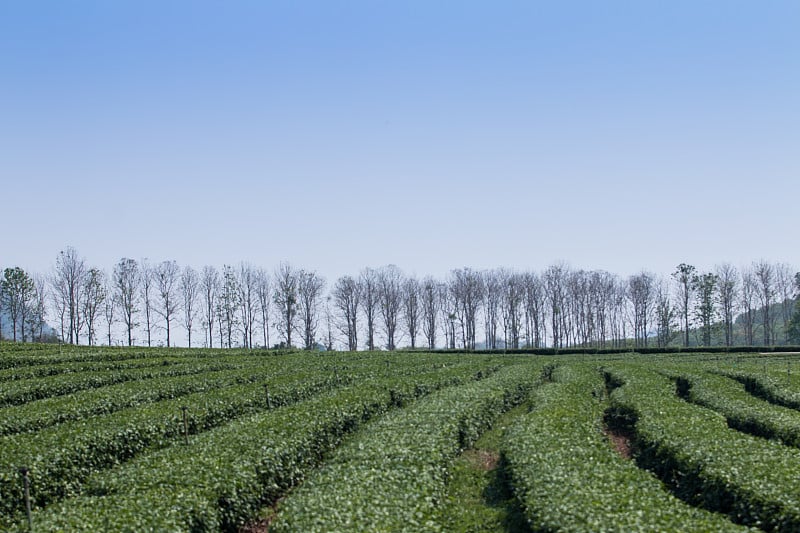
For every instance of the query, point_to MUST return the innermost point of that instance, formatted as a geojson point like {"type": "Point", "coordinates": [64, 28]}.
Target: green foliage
{"type": "Point", "coordinates": [391, 476]}
{"type": "Point", "coordinates": [222, 477]}
{"type": "Point", "coordinates": [704, 461]}
{"type": "Point", "coordinates": [568, 478]}
{"type": "Point", "coordinates": [479, 497]}
{"type": "Point", "coordinates": [741, 410]}
{"type": "Point", "coordinates": [17, 295]}
{"type": "Point", "coordinates": [62, 457]}
{"type": "Point", "coordinates": [767, 388]}
{"type": "Point", "coordinates": [101, 431]}
{"type": "Point", "coordinates": [109, 399]}
{"type": "Point", "coordinates": [27, 390]}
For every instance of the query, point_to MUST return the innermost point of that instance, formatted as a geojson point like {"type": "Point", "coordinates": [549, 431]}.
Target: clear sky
{"type": "Point", "coordinates": [621, 135]}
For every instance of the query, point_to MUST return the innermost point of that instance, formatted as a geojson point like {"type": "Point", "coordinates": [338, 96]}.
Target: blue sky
{"type": "Point", "coordinates": [433, 135]}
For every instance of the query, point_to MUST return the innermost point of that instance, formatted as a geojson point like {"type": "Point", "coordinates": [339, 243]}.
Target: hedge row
{"type": "Point", "coordinates": [704, 461]}
{"type": "Point", "coordinates": [48, 412]}
{"type": "Point", "coordinates": [743, 411]}
{"type": "Point", "coordinates": [28, 390]}
{"type": "Point", "coordinates": [391, 476]}
{"type": "Point", "coordinates": [19, 355]}
{"type": "Point", "coordinates": [768, 388]}
{"type": "Point", "coordinates": [40, 371]}
{"type": "Point", "coordinates": [567, 477]}
{"type": "Point", "coordinates": [61, 458]}
{"type": "Point", "coordinates": [220, 480]}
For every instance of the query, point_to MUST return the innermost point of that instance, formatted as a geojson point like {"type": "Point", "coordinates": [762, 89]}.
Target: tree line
{"type": "Point", "coordinates": [383, 308]}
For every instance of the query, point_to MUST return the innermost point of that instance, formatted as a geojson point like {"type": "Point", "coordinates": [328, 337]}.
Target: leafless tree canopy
{"type": "Point", "coordinates": [190, 290]}
{"type": "Point", "coordinates": [209, 284]}
{"type": "Point", "coordinates": [126, 285]}
{"type": "Point", "coordinates": [67, 283]}
{"type": "Point", "coordinates": [368, 288]}
{"type": "Point", "coordinates": [384, 308]}
{"type": "Point", "coordinates": [390, 287]}
{"type": "Point", "coordinates": [309, 290]}
{"type": "Point", "coordinates": [147, 277]}
{"type": "Point", "coordinates": [347, 302]}
{"type": "Point", "coordinates": [285, 299]}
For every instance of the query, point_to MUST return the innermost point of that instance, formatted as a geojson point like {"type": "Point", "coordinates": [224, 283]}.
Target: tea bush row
{"type": "Point", "coordinates": [391, 476]}
{"type": "Point", "coordinates": [223, 476]}
{"type": "Point", "coordinates": [704, 461]}
{"type": "Point", "coordinates": [567, 477]}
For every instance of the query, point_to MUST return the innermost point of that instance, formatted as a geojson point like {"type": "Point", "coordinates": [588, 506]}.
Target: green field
{"type": "Point", "coordinates": [134, 439]}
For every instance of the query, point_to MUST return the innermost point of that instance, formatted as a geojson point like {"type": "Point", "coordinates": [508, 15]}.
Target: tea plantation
{"type": "Point", "coordinates": [115, 439]}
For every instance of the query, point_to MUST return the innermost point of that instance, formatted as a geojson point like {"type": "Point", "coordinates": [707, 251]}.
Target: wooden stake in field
{"type": "Point", "coordinates": [269, 400]}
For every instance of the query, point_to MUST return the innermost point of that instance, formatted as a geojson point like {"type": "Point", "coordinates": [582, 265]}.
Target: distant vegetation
{"type": "Point", "coordinates": [144, 303]}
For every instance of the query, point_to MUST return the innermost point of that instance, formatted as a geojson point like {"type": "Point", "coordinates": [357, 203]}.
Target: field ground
{"type": "Point", "coordinates": [112, 439]}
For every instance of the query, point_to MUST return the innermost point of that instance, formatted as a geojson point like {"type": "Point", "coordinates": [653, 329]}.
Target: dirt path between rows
{"type": "Point", "coordinates": [621, 442]}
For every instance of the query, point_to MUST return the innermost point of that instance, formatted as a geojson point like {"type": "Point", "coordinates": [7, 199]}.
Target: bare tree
{"type": "Point", "coordinates": [264, 296]}
{"type": "Point", "coordinates": [665, 315]}
{"type": "Point", "coordinates": [368, 288]}
{"type": "Point", "coordinates": [68, 280]}
{"type": "Point", "coordinates": [93, 296]}
{"type": "Point", "coordinates": [683, 276]}
{"type": "Point", "coordinates": [39, 309]}
{"type": "Point", "coordinates": [167, 279]}
{"type": "Point", "coordinates": [59, 295]}
{"type": "Point", "coordinates": [577, 318]}
{"type": "Point", "coordinates": [555, 290]}
{"type": "Point", "coordinates": [109, 307]}
{"type": "Point", "coordinates": [492, 298]}
{"type": "Point", "coordinates": [309, 290]}
{"type": "Point", "coordinates": [726, 297]}
{"type": "Point", "coordinates": [411, 308]}
{"type": "Point", "coordinates": [210, 289]}
{"type": "Point", "coordinates": [228, 306]}
{"type": "Point", "coordinates": [513, 298]}
{"type": "Point", "coordinates": [748, 296]}
{"type": "Point", "coordinates": [126, 285]}
{"type": "Point", "coordinates": [534, 306]}
{"type": "Point", "coordinates": [220, 316]}
{"type": "Point", "coordinates": [147, 286]}
{"type": "Point", "coordinates": [285, 299]}
{"type": "Point", "coordinates": [190, 290]}
{"type": "Point", "coordinates": [347, 300]}
{"type": "Point", "coordinates": [784, 281]}
{"type": "Point", "coordinates": [618, 306]}
{"type": "Point", "coordinates": [467, 289]}
{"type": "Point", "coordinates": [447, 315]}
{"type": "Point", "coordinates": [641, 292]}
{"type": "Point", "coordinates": [248, 301]}
{"type": "Point", "coordinates": [328, 324]}
{"type": "Point", "coordinates": [765, 278]}
{"type": "Point", "coordinates": [605, 288]}
{"type": "Point", "coordinates": [429, 296]}
{"type": "Point", "coordinates": [390, 280]}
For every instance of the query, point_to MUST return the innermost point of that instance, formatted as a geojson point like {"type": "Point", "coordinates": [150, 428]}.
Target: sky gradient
{"type": "Point", "coordinates": [621, 135]}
